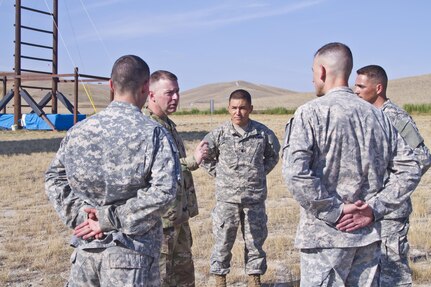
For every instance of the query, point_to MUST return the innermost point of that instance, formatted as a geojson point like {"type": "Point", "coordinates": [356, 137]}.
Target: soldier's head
{"type": "Point", "coordinates": [164, 95]}
{"type": "Point", "coordinates": [332, 66]}
{"type": "Point", "coordinates": [130, 80]}
{"type": "Point", "coordinates": [371, 83]}
{"type": "Point", "coordinates": [240, 107]}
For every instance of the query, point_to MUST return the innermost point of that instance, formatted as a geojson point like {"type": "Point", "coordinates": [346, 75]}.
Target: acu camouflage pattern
{"type": "Point", "coordinates": [226, 219]}
{"type": "Point", "coordinates": [124, 165]}
{"type": "Point", "coordinates": [114, 266]}
{"type": "Point", "coordinates": [394, 265]}
{"type": "Point", "coordinates": [395, 270]}
{"type": "Point", "coordinates": [176, 261]}
{"type": "Point", "coordinates": [338, 151]}
{"type": "Point", "coordinates": [408, 130]}
{"type": "Point", "coordinates": [341, 266]}
{"type": "Point", "coordinates": [241, 163]}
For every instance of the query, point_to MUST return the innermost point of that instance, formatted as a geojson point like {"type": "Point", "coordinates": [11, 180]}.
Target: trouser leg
{"type": "Point", "coordinates": [184, 270]}
{"type": "Point", "coordinates": [255, 232]}
{"type": "Point", "coordinates": [225, 226]}
{"type": "Point", "coordinates": [394, 264]}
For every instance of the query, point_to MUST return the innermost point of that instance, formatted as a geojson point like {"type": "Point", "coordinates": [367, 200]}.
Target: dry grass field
{"type": "Point", "coordinates": [34, 247]}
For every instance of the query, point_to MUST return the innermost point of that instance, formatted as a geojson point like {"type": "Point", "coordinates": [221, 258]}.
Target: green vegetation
{"type": "Point", "coordinates": [277, 111]}
{"type": "Point", "coordinates": [222, 111]}
{"type": "Point", "coordinates": [196, 111]}
{"type": "Point", "coordinates": [418, 108]}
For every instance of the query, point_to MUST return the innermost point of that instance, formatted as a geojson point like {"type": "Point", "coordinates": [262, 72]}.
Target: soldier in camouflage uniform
{"type": "Point", "coordinates": [371, 84]}
{"type": "Point", "coordinates": [112, 179]}
{"type": "Point", "coordinates": [241, 153]}
{"type": "Point", "coordinates": [337, 152]}
{"type": "Point", "coordinates": [176, 262]}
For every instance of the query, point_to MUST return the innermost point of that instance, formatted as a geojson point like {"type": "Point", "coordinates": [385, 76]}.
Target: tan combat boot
{"type": "Point", "coordinates": [220, 280]}
{"type": "Point", "coordinates": [254, 280]}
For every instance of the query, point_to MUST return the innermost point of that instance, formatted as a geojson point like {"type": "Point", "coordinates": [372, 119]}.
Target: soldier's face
{"type": "Point", "coordinates": [240, 110]}
{"type": "Point", "coordinates": [366, 88]}
{"type": "Point", "coordinates": [166, 95]}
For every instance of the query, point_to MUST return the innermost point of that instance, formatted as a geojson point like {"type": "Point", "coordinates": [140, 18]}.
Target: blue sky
{"type": "Point", "coordinates": [264, 42]}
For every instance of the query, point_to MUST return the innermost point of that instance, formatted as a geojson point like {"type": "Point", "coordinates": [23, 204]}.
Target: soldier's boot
{"type": "Point", "coordinates": [254, 280]}
{"type": "Point", "coordinates": [220, 280]}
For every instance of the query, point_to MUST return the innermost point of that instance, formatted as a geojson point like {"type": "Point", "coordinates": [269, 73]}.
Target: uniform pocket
{"type": "Point", "coordinates": [128, 261]}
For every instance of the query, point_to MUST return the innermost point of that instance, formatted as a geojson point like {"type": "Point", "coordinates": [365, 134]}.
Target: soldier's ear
{"type": "Point", "coordinates": [151, 96]}
{"type": "Point", "coordinates": [111, 85]}
{"type": "Point", "coordinates": [379, 89]}
{"type": "Point", "coordinates": [322, 73]}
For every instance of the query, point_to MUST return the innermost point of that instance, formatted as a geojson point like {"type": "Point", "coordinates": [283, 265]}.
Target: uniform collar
{"type": "Point", "coordinates": [166, 122]}
{"type": "Point", "coordinates": [250, 129]}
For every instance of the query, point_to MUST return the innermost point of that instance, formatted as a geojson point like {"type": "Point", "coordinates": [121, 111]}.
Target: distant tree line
{"type": "Point", "coordinates": [417, 108]}
{"type": "Point", "coordinates": [222, 111]}
{"type": "Point", "coordinates": [410, 108]}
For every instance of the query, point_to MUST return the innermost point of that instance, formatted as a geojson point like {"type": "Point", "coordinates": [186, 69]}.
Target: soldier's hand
{"type": "Point", "coordinates": [355, 216]}
{"type": "Point", "coordinates": [89, 229]}
{"type": "Point", "coordinates": [201, 151]}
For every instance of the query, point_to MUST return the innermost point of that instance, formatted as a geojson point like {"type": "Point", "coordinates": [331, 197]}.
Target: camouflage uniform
{"type": "Point", "coordinates": [240, 164]}
{"type": "Point", "coordinates": [125, 166]}
{"type": "Point", "coordinates": [337, 150]}
{"type": "Point", "coordinates": [394, 267]}
{"type": "Point", "coordinates": [176, 261]}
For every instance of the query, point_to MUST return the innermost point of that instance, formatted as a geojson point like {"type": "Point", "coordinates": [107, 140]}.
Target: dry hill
{"type": "Point", "coordinates": [411, 90]}
{"type": "Point", "coordinates": [414, 90]}
{"type": "Point", "coordinates": [263, 96]}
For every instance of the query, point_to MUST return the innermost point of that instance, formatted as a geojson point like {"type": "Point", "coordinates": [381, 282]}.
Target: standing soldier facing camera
{"type": "Point", "coordinates": [241, 153]}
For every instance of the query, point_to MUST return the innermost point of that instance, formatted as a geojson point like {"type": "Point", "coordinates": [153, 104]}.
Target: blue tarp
{"type": "Point", "coordinates": [6, 121]}
{"type": "Point", "coordinates": [61, 122]}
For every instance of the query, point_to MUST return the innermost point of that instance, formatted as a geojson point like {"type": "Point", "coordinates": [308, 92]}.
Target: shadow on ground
{"type": "Point", "coordinates": [52, 145]}
{"type": "Point", "coordinates": [29, 146]}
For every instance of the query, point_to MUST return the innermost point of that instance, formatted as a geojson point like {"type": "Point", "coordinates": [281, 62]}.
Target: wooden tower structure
{"type": "Point", "coordinates": [22, 74]}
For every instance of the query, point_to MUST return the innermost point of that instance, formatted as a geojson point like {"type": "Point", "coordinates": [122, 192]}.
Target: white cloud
{"type": "Point", "coordinates": [135, 26]}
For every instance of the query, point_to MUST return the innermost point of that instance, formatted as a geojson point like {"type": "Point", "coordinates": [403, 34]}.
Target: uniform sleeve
{"type": "Point", "coordinates": [403, 177]}
{"type": "Point", "coordinates": [210, 163]}
{"type": "Point", "coordinates": [305, 186]}
{"type": "Point", "coordinates": [139, 214]}
{"type": "Point", "coordinates": [408, 130]}
{"type": "Point", "coordinates": [271, 152]}
{"type": "Point", "coordinates": [423, 155]}
{"type": "Point", "coordinates": [189, 162]}
{"type": "Point", "coordinates": [67, 204]}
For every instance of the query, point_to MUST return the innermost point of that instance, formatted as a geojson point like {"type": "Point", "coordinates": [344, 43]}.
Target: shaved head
{"type": "Point", "coordinates": [332, 66]}
{"type": "Point", "coordinates": [337, 57]}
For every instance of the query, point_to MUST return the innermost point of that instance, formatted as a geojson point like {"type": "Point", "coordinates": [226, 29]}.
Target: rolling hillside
{"type": "Point", "coordinates": [414, 90]}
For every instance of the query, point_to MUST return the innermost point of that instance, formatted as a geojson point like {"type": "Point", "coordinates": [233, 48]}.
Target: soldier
{"type": "Point", "coordinates": [337, 154]}
{"type": "Point", "coordinates": [176, 262]}
{"type": "Point", "coordinates": [371, 84]}
{"type": "Point", "coordinates": [112, 179]}
{"type": "Point", "coordinates": [241, 153]}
